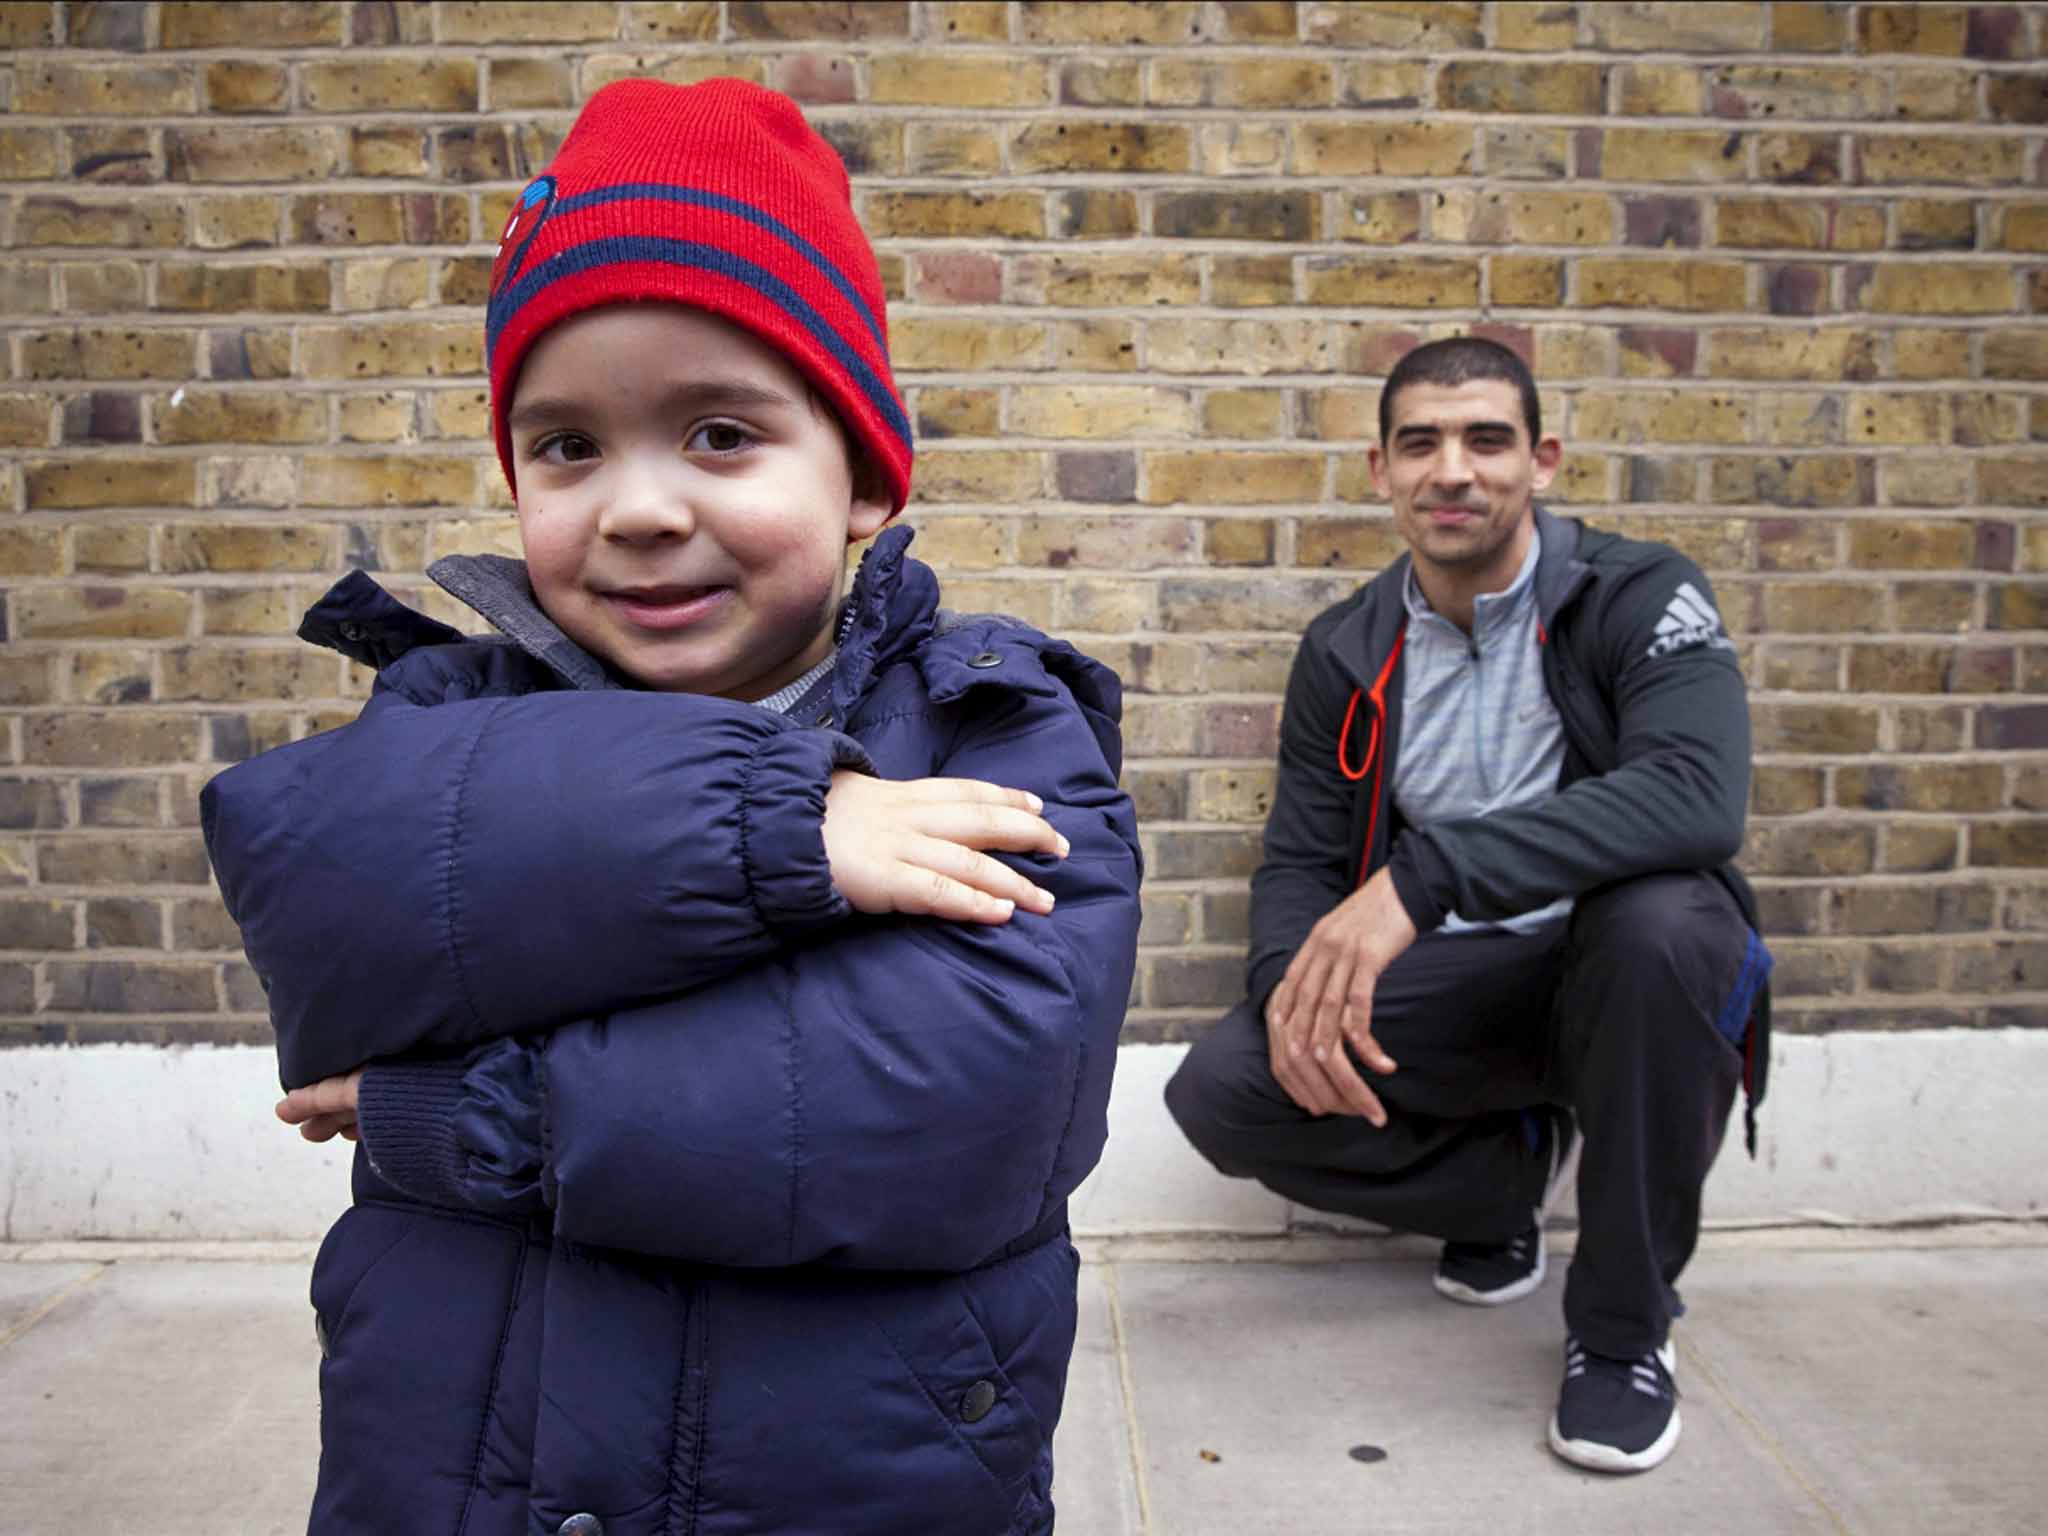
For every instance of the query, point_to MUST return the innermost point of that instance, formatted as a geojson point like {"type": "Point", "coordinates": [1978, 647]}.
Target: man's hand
{"type": "Point", "coordinates": [323, 1110]}
{"type": "Point", "coordinates": [913, 846]}
{"type": "Point", "coordinates": [1325, 999]}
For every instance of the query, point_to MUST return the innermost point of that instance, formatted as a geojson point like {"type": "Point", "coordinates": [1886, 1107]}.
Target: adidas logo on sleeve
{"type": "Point", "coordinates": [1689, 620]}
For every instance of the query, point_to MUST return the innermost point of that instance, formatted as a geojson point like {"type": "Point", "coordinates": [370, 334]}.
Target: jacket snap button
{"type": "Point", "coordinates": [350, 630]}
{"type": "Point", "coordinates": [582, 1525]}
{"type": "Point", "coordinates": [976, 1402]}
{"type": "Point", "coordinates": [985, 659]}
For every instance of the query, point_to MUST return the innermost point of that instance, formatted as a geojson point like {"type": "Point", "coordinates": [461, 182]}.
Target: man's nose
{"type": "Point", "coordinates": [1452, 466]}
{"type": "Point", "coordinates": [650, 500]}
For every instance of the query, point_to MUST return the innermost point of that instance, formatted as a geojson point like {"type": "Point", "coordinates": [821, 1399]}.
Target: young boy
{"type": "Point", "coordinates": [719, 1088]}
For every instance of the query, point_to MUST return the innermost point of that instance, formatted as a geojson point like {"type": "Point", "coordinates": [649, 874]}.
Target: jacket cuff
{"type": "Point", "coordinates": [782, 826]}
{"type": "Point", "coordinates": [405, 1114]}
{"type": "Point", "coordinates": [1423, 909]}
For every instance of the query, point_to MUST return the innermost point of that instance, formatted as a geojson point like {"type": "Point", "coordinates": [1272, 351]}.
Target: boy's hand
{"type": "Point", "coordinates": [323, 1110]}
{"type": "Point", "coordinates": [912, 846]}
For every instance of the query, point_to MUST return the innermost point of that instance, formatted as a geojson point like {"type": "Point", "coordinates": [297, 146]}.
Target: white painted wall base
{"type": "Point", "coordinates": [138, 1143]}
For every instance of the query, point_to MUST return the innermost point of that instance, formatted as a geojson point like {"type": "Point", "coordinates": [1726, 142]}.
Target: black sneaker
{"type": "Point", "coordinates": [1490, 1274]}
{"type": "Point", "coordinates": [1615, 1415]}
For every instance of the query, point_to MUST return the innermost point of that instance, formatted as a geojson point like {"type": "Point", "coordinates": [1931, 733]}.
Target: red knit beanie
{"type": "Point", "coordinates": [718, 196]}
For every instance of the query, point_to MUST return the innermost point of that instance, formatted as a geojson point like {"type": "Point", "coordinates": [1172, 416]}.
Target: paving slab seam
{"type": "Point", "coordinates": [1697, 1364]}
{"type": "Point", "coordinates": [1134, 1432]}
{"type": "Point", "coordinates": [51, 1304]}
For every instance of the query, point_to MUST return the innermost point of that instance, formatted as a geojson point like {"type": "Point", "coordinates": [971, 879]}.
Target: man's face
{"type": "Point", "coordinates": [685, 502]}
{"type": "Point", "coordinates": [1461, 474]}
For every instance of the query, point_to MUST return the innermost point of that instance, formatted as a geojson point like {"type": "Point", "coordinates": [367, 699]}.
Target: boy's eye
{"type": "Point", "coordinates": [718, 437]}
{"type": "Point", "coordinates": [565, 448]}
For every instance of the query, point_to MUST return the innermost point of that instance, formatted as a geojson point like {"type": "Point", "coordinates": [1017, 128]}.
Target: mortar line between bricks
{"type": "Point", "coordinates": [51, 1305]}
{"type": "Point", "coordinates": [1771, 1444]}
{"type": "Point", "coordinates": [1124, 1382]}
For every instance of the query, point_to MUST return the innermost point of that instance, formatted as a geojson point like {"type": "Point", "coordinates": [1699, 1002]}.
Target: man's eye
{"type": "Point", "coordinates": [565, 448]}
{"type": "Point", "coordinates": [718, 437]}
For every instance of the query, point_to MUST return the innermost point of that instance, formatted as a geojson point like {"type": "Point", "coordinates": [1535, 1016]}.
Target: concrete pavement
{"type": "Point", "coordinates": [1867, 1381]}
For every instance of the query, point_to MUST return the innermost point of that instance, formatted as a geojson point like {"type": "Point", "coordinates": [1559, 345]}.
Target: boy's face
{"type": "Point", "coordinates": [684, 500]}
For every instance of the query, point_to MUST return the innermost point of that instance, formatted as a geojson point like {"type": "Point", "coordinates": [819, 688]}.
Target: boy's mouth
{"type": "Point", "coordinates": [667, 607]}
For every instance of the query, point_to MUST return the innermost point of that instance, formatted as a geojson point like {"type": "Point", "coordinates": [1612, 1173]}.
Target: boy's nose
{"type": "Point", "coordinates": [648, 502]}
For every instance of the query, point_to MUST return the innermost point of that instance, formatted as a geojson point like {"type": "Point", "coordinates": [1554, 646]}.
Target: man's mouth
{"type": "Point", "coordinates": [667, 607]}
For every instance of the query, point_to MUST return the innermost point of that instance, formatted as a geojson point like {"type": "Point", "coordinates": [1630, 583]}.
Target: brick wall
{"type": "Point", "coordinates": [1781, 269]}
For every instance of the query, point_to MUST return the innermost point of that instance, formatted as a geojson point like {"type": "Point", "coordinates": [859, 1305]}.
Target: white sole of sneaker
{"type": "Point", "coordinates": [1458, 1291]}
{"type": "Point", "coordinates": [1595, 1457]}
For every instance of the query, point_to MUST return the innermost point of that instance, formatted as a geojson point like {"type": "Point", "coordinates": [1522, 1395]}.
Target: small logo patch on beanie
{"type": "Point", "coordinates": [528, 214]}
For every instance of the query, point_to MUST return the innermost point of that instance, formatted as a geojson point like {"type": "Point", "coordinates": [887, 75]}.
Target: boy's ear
{"type": "Point", "coordinates": [872, 505]}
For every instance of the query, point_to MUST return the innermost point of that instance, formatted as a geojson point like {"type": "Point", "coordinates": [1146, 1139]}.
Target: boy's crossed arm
{"type": "Point", "coordinates": [911, 846]}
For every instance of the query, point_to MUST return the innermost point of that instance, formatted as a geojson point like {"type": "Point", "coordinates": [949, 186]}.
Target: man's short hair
{"type": "Point", "coordinates": [1459, 360]}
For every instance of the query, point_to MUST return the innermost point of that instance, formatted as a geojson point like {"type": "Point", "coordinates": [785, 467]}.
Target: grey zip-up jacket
{"type": "Point", "coordinates": [1655, 775]}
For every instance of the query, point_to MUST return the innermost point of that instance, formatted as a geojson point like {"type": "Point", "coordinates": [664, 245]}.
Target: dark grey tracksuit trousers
{"type": "Point", "coordinates": [1631, 1012]}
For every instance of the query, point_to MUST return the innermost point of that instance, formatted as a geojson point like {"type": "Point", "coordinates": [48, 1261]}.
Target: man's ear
{"type": "Point", "coordinates": [1376, 461]}
{"type": "Point", "coordinates": [1548, 455]}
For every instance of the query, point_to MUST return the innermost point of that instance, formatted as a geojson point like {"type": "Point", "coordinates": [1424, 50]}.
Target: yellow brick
{"type": "Point", "coordinates": [1106, 543]}
{"type": "Point", "coordinates": [1382, 149]}
{"type": "Point", "coordinates": [459, 413]}
{"type": "Point", "coordinates": [291, 24]}
{"type": "Point", "coordinates": [234, 221]}
{"type": "Point", "coordinates": [253, 610]}
{"type": "Point", "coordinates": [964, 543]}
{"type": "Point", "coordinates": [1537, 28]}
{"type": "Point", "coordinates": [233, 152]}
{"type": "Point", "coordinates": [1915, 28]}
{"type": "Point", "coordinates": [1572, 352]}
{"type": "Point", "coordinates": [934, 80]}
{"type": "Point", "coordinates": [66, 221]}
{"type": "Point", "coordinates": [1809, 26]}
{"type": "Point", "coordinates": [93, 613]}
{"type": "Point", "coordinates": [1088, 280]}
{"type": "Point", "coordinates": [1723, 26]}
{"type": "Point", "coordinates": [411, 480]}
{"type": "Point", "coordinates": [102, 287]}
{"type": "Point", "coordinates": [1108, 22]}
{"type": "Point", "coordinates": [1942, 354]}
{"type": "Point", "coordinates": [818, 20]}
{"type": "Point", "coordinates": [1939, 288]}
{"type": "Point", "coordinates": [1381, 218]}
{"type": "Point", "coordinates": [1662, 90]}
{"type": "Point", "coordinates": [1821, 480]}
{"type": "Point", "coordinates": [1249, 83]}
{"type": "Point", "coordinates": [1246, 282]}
{"type": "Point", "coordinates": [105, 90]}
{"type": "Point", "coordinates": [525, 21]}
{"type": "Point", "coordinates": [604, 69]}
{"type": "Point", "coordinates": [247, 674]}
{"type": "Point", "coordinates": [1799, 91]}
{"type": "Point", "coordinates": [529, 83]}
{"type": "Point", "coordinates": [952, 149]}
{"type": "Point", "coordinates": [24, 420]}
{"type": "Point", "coordinates": [1129, 148]}
{"type": "Point", "coordinates": [31, 551]}
{"type": "Point", "coordinates": [386, 282]}
{"type": "Point", "coordinates": [1405, 282]}
{"type": "Point", "coordinates": [1082, 411]}
{"type": "Point", "coordinates": [1243, 347]}
{"type": "Point", "coordinates": [1525, 280]}
{"type": "Point", "coordinates": [2023, 227]}
{"type": "Point", "coordinates": [110, 548]}
{"type": "Point", "coordinates": [1659, 416]}
{"type": "Point", "coordinates": [1244, 413]}
{"type": "Point", "coordinates": [1102, 81]}
{"type": "Point", "coordinates": [27, 25]}
{"type": "Point", "coordinates": [1934, 95]}
{"type": "Point", "coordinates": [957, 412]}
{"type": "Point", "coordinates": [1231, 479]}
{"type": "Point", "coordinates": [2016, 354]}
{"type": "Point", "coordinates": [236, 416]}
{"type": "Point", "coordinates": [381, 418]}
{"type": "Point", "coordinates": [942, 344]}
{"type": "Point", "coordinates": [246, 85]}
{"type": "Point", "coordinates": [1770, 223]}
{"type": "Point", "coordinates": [378, 218]}
{"type": "Point", "coordinates": [1895, 419]}
{"type": "Point", "coordinates": [1631, 283]}
{"type": "Point", "coordinates": [392, 349]}
{"type": "Point", "coordinates": [1957, 159]}
{"type": "Point", "coordinates": [93, 353]}
{"type": "Point", "coordinates": [1496, 85]}
{"type": "Point", "coordinates": [247, 547]}
{"type": "Point", "coordinates": [1348, 543]}
{"type": "Point", "coordinates": [464, 279]}
{"type": "Point", "coordinates": [1799, 420]}
{"type": "Point", "coordinates": [966, 21]}
{"type": "Point", "coordinates": [1671, 154]}
{"type": "Point", "coordinates": [218, 287]}
{"type": "Point", "coordinates": [945, 475]}
{"type": "Point", "coordinates": [389, 85]}
{"type": "Point", "coordinates": [1425, 24]}
{"type": "Point", "coordinates": [985, 215]}
{"type": "Point", "coordinates": [398, 149]}
{"type": "Point", "coordinates": [28, 154]}
{"type": "Point", "coordinates": [1095, 346]}
{"type": "Point", "coordinates": [1798, 353]}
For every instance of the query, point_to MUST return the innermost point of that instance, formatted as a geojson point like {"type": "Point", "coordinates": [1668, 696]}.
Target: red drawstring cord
{"type": "Point", "coordinates": [1375, 760]}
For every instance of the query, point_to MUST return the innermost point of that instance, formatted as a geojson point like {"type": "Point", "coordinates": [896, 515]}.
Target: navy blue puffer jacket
{"type": "Point", "coordinates": [689, 1200]}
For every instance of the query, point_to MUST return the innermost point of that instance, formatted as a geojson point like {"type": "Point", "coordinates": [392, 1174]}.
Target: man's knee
{"type": "Point", "coordinates": [1686, 924]}
{"type": "Point", "coordinates": [1212, 1096]}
